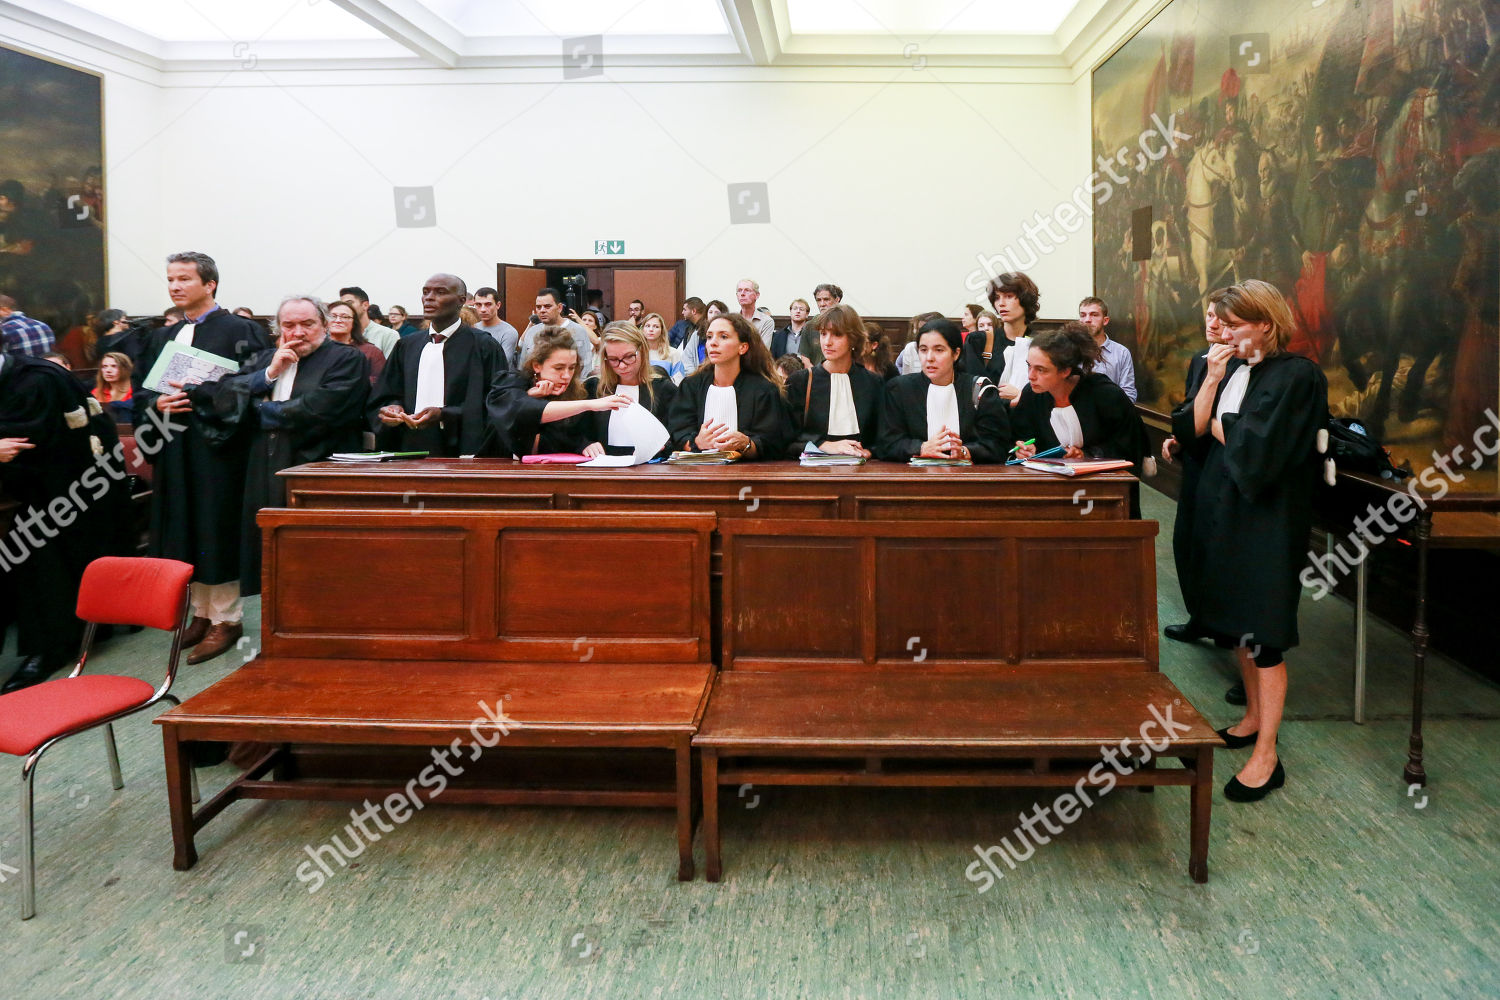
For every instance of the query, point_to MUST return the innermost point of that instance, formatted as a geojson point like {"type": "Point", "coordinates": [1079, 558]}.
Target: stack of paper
{"type": "Point", "coordinates": [1077, 466]}
{"type": "Point", "coordinates": [374, 456]}
{"type": "Point", "coordinates": [918, 460]}
{"type": "Point", "coordinates": [813, 455]}
{"type": "Point", "coordinates": [703, 457]}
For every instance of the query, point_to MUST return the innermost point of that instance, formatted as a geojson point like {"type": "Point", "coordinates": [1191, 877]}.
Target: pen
{"type": "Point", "coordinates": [1023, 444]}
{"type": "Point", "coordinates": [1044, 454]}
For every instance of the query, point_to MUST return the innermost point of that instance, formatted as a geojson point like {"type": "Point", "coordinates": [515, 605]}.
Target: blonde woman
{"type": "Point", "coordinates": [663, 354]}
{"type": "Point", "coordinates": [625, 371]}
{"type": "Point", "coordinates": [112, 387]}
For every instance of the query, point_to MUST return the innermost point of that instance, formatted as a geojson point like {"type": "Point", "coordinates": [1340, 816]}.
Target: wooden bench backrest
{"type": "Point", "coordinates": [499, 587]}
{"type": "Point", "coordinates": [964, 596]}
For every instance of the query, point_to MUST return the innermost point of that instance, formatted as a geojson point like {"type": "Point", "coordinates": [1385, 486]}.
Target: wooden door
{"type": "Point", "coordinates": [518, 285]}
{"type": "Point", "coordinates": [655, 287]}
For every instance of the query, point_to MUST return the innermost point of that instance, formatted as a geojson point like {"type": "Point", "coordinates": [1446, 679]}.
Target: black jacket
{"type": "Point", "coordinates": [983, 424]}
{"type": "Point", "coordinates": [472, 365]}
{"type": "Point", "coordinates": [809, 409]}
{"type": "Point", "coordinates": [762, 413]}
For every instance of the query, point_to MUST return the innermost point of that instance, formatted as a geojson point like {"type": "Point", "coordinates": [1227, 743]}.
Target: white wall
{"type": "Point", "coordinates": [892, 183]}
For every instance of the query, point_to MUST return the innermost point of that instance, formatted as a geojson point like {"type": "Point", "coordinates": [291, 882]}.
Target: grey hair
{"type": "Point", "coordinates": [312, 300]}
{"type": "Point", "coordinates": [207, 269]}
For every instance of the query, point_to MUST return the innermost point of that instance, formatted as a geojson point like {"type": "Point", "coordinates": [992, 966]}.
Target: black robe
{"type": "Point", "coordinates": [197, 489]}
{"type": "Point", "coordinates": [972, 359]}
{"type": "Point", "coordinates": [1111, 426]}
{"type": "Point", "coordinates": [663, 392]}
{"type": "Point", "coordinates": [1254, 505]}
{"type": "Point", "coordinates": [472, 366]}
{"type": "Point", "coordinates": [810, 409]}
{"type": "Point", "coordinates": [984, 427]}
{"type": "Point", "coordinates": [42, 560]}
{"type": "Point", "coordinates": [1190, 454]}
{"type": "Point", "coordinates": [516, 421]}
{"type": "Point", "coordinates": [325, 414]}
{"type": "Point", "coordinates": [762, 412]}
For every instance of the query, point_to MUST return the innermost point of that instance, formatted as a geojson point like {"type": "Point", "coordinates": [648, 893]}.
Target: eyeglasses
{"type": "Point", "coordinates": [622, 362]}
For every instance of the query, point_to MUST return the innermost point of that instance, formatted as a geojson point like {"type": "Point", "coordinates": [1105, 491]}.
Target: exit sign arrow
{"type": "Point", "coordinates": [609, 248]}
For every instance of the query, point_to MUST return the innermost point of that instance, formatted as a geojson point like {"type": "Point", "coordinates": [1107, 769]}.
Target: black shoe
{"type": "Point", "coordinates": [1234, 742]}
{"type": "Point", "coordinates": [1236, 694]}
{"type": "Point", "coordinates": [1237, 791]}
{"type": "Point", "coordinates": [34, 670]}
{"type": "Point", "coordinates": [1184, 633]}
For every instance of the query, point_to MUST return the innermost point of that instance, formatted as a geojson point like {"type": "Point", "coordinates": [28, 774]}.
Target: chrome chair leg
{"type": "Point", "coordinates": [28, 846]}
{"type": "Point", "coordinates": [114, 757]}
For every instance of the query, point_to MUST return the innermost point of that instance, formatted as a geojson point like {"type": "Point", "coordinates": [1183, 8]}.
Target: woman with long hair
{"type": "Point", "coordinates": [734, 401]}
{"type": "Point", "coordinates": [542, 408]}
{"type": "Point", "coordinates": [343, 328]}
{"type": "Point", "coordinates": [627, 372]}
{"type": "Point", "coordinates": [836, 405]}
{"type": "Point", "coordinates": [112, 386]}
{"type": "Point", "coordinates": [660, 350]}
{"type": "Point", "coordinates": [879, 352]}
{"type": "Point", "coordinates": [942, 411]}
{"type": "Point", "coordinates": [1067, 404]}
{"type": "Point", "coordinates": [1259, 411]}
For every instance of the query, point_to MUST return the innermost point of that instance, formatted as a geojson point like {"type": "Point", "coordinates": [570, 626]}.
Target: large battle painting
{"type": "Point", "coordinates": [1347, 151]}
{"type": "Point", "coordinates": [51, 190]}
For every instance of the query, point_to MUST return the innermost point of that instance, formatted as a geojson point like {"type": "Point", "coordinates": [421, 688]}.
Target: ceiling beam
{"type": "Point", "coordinates": [412, 25]}
{"type": "Point", "coordinates": [73, 22]}
{"type": "Point", "coordinates": [754, 28]}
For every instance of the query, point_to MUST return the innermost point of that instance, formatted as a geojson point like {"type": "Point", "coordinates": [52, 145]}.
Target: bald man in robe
{"type": "Point", "coordinates": [431, 395]}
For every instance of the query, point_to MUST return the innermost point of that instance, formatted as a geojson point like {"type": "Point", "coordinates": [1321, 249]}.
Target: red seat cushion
{"type": "Point", "coordinates": [32, 716]}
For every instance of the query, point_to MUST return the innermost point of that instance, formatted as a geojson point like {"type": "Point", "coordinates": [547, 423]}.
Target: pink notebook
{"type": "Point", "coordinates": [559, 458]}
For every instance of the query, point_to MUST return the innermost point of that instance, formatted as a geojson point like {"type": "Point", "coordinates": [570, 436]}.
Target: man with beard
{"type": "Point", "coordinates": [198, 486]}
{"type": "Point", "coordinates": [297, 402]}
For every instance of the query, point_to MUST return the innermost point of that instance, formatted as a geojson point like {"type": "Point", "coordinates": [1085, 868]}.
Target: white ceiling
{"type": "Point", "coordinates": [189, 35]}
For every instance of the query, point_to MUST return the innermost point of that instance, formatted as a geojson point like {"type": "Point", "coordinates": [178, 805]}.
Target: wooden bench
{"type": "Point", "coordinates": [388, 630]}
{"type": "Point", "coordinates": [925, 665]}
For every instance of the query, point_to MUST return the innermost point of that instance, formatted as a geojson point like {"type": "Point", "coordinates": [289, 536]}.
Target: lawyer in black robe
{"type": "Point", "coordinates": [1254, 504]}
{"type": "Point", "coordinates": [324, 414]}
{"type": "Point", "coordinates": [759, 407]}
{"type": "Point", "coordinates": [473, 364]}
{"type": "Point", "coordinates": [196, 488]}
{"type": "Point", "coordinates": [1111, 426]}
{"type": "Point", "coordinates": [1191, 452]}
{"type": "Point", "coordinates": [661, 392]}
{"type": "Point", "coordinates": [43, 556]}
{"type": "Point", "coordinates": [809, 394]}
{"type": "Point", "coordinates": [983, 420]}
{"type": "Point", "coordinates": [516, 416]}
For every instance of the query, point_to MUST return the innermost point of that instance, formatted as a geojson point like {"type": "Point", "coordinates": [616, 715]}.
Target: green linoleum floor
{"type": "Point", "coordinates": [1341, 885]}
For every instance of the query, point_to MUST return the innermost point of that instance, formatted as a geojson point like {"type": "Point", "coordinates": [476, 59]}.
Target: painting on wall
{"type": "Point", "coordinates": [1348, 151]}
{"type": "Point", "coordinates": [52, 208]}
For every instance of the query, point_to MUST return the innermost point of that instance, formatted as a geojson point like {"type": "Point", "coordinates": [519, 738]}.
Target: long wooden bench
{"type": "Point", "coordinates": [876, 653]}
{"type": "Point", "coordinates": [525, 632]}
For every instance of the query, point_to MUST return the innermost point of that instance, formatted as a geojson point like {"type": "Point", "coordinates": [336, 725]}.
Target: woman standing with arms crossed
{"type": "Point", "coordinates": [1259, 411]}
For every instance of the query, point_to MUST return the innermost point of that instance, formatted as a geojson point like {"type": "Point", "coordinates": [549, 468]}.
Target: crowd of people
{"type": "Point", "coordinates": [456, 379]}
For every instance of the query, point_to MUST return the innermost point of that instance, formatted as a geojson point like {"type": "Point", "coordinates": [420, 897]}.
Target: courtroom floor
{"type": "Point", "coordinates": [1340, 885]}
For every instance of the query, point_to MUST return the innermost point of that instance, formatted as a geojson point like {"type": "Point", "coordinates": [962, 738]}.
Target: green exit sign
{"type": "Point", "coordinates": [609, 248]}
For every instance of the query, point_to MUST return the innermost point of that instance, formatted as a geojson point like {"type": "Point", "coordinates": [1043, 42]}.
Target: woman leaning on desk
{"type": "Point", "coordinates": [734, 401]}
{"type": "Point", "coordinates": [1066, 404]}
{"type": "Point", "coordinates": [836, 405]}
{"type": "Point", "coordinates": [542, 408]}
{"type": "Point", "coordinates": [1259, 410]}
{"type": "Point", "coordinates": [625, 371]}
{"type": "Point", "coordinates": [939, 411]}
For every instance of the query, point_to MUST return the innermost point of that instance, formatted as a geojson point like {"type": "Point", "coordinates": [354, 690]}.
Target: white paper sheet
{"type": "Point", "coordinates": [646, 434]}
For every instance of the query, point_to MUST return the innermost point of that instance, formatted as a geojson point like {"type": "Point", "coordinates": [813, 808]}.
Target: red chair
{"type": "Point", "coordinates": [114, 591]}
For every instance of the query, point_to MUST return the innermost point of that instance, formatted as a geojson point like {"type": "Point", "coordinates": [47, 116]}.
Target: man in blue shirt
{"type": "Point", "coordinates": [1115, 361]}
{"type": "Point", "coordinates": [20, 333]}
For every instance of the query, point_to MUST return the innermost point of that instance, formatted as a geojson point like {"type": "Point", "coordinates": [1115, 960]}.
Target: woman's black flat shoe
{"type": "Point", "coordinates": [1237, 791]}
{"type": "Point", "coordinates": [1234, 742]}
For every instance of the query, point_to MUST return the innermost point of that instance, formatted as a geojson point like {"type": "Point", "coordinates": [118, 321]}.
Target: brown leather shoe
{"type": "Point", "coordinates": [194, 633]}
{"type": "Point", "coordinates": [221, 638]}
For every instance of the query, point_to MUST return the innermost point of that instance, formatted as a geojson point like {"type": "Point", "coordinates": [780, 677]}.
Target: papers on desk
{"type": "Point", "coordinates": [1076, 466]}
{"type": "Point", "coordinates": [374, 456]}
{"type": "Point", "coordinates": [181, 363]}
{"type": "Point", "coordinates": [812, 455]}
{"type": "Point", "coordinates": [919, 461]}
{"type": "Point", "coordinates": [703, 457]}
{"type": "Point", "coordinates": [645, 435]}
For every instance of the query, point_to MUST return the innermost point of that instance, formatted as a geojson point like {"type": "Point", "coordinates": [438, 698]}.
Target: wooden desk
{"type": "Point", "coordinates": [878, 731]}
{"type": "Point", "coordinates": [873, 491]}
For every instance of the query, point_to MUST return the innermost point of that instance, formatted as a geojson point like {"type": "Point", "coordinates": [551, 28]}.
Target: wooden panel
{"type": "Point", "coordinates": [1085, 598]}
{"type": "Point", "coordinates": [723, 506]}
{"type": "Point", "coordinates": [783, 597]}
{"type": "Point", "coordinates": [518, 286]}
{"type": "Point", "coordinates": [595, 584]}
{"type": "Point", "coordinates": [350, 581]}
{"type": "Point", "coordinates": [657, 288]}
{"type": "Point", "coordinates": [1034, 505]}
{"type": "Point", "coordinates": [941, 599]}
{"type": "Point", "coordinates": [557, 587]}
